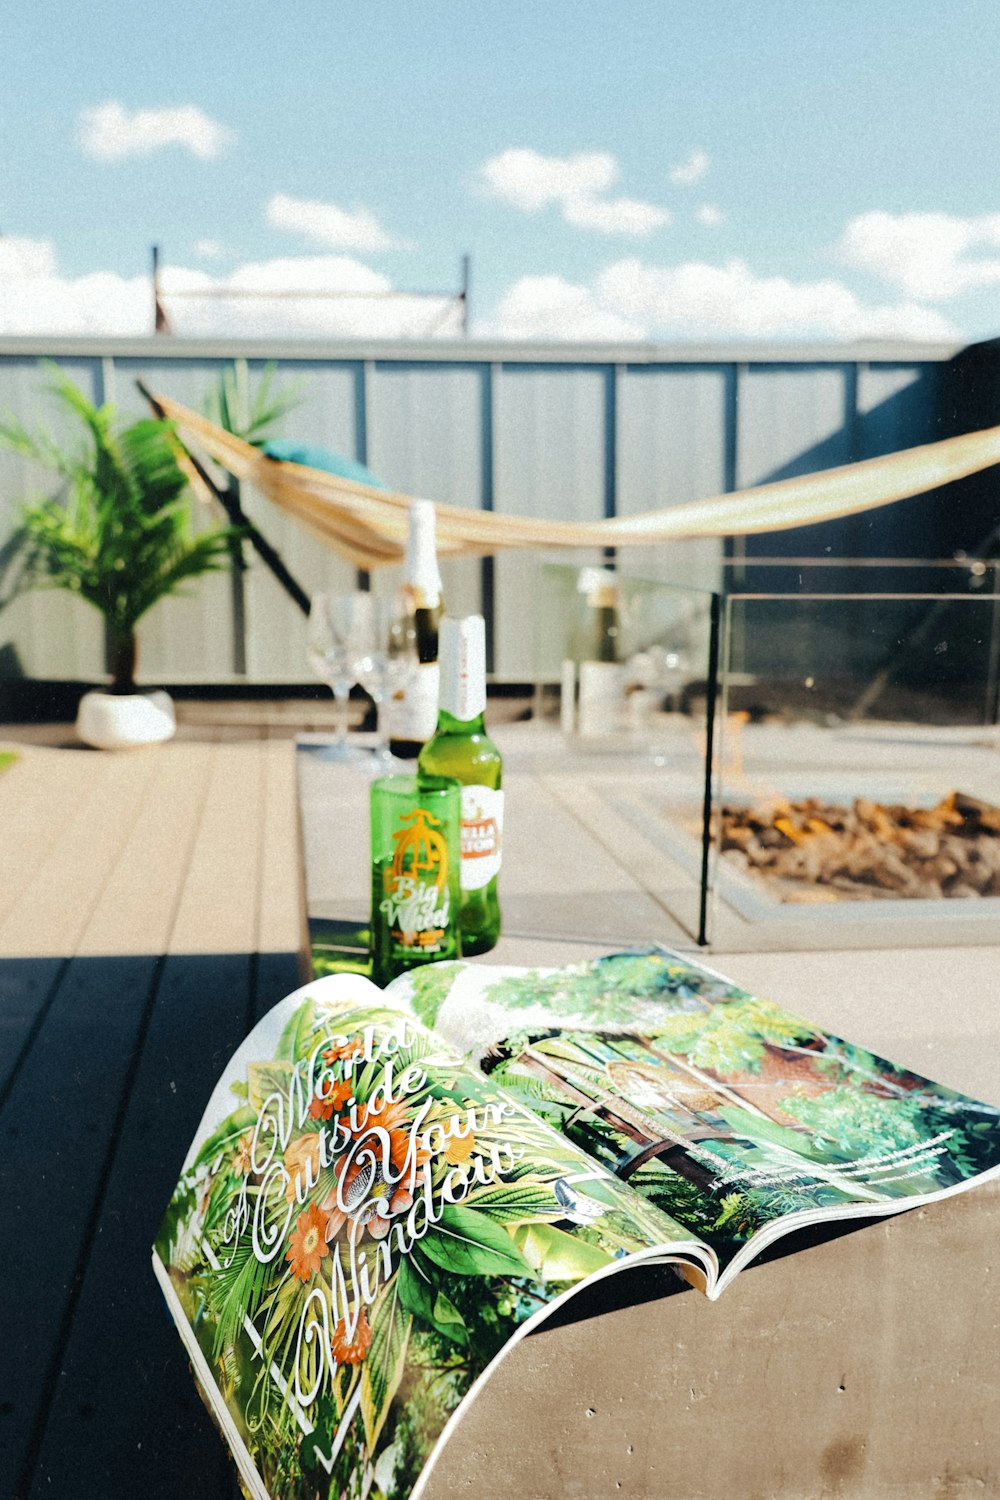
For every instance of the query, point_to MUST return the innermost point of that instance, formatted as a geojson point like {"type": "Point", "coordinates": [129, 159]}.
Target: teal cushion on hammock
{"type": "Point", "coordinates": [289, 452]}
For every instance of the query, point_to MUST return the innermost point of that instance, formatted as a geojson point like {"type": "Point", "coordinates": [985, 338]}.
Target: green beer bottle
{"type": "Point", "coordinates": [416, 895]}
{"type": "Point", "coordinates": [461, 748]}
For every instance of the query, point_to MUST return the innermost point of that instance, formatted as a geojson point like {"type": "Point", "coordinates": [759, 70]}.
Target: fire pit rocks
{"type": "Point", "coordinates": [814, 851]}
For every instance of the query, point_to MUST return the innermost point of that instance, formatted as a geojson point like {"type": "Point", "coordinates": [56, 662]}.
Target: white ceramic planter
{"type": "Point", "coordinates": [120, 721]}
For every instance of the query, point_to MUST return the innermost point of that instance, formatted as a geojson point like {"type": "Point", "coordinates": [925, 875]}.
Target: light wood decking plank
{"type": "Point", "coordinates": [140, 900]}
{"type": "Point", "coordinates": [55, 904]}
{"type": "Point", "coordinates": [219, 906]}
{"type": "Point", "coordinates": [282, 924]}
{"type": "Point", "coordinates": [39, 796]}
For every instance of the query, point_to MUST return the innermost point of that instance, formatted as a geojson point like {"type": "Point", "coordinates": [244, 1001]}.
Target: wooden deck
{"type": "Point", "coordinates": [150, 911]}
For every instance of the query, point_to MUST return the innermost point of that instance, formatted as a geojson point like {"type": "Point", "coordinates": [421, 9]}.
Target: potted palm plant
{"type": "Point", "coordinates": [119, 534]}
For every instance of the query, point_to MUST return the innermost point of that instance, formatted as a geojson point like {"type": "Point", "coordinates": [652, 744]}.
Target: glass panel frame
{"type": "Point", "coordinates": [901, 654]}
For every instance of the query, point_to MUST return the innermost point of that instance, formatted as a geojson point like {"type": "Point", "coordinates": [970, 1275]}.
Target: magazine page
{"type": "Point", "coordinates": [362, 1225]}
{"type": "Point", "coordinates": [737, 1119]}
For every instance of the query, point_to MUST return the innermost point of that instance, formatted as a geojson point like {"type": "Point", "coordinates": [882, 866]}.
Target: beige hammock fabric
{"type": "Point", "coordinates": [368, 526]}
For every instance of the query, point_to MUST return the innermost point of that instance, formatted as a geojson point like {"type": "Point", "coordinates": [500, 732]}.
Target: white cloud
{"type": "Point", "coordinates": [687, 173]}
{"type": "Point", "coordinates": [928, 255]}
{"type": "Point", "coordinates": [337, 228]}
{"type": "Point", "coordinates": [529, 181]}
{"type": "Point", "coordinates": [615, 215]}
{"type": "Point", "coordinates": [25, 260]}
{"type": "Point", "coordinates": [701, 300]}
{"type": "Point", "coordinates": [634, 300]}
{"type": "Point", "coordinates": [709, 215]}
{"type": "Point", "coordinates": [549, 307]}
{"type": "Point", "coordinates": [37, 298]}
{"type": "Point", "coordinates": [578, 184]}
{"type": "Point", "coordinates": [210, 249]}
{"type": "Point", "coordinates": [109, 132]}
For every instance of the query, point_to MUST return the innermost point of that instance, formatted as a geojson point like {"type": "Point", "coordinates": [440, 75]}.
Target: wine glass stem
{"type": "Point", "coordinates": [343, 697]}
{"type": "Point", "coordinates": [381, 738]}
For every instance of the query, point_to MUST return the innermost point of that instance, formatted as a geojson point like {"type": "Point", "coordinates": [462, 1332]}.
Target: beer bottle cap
{"type": "Point", "coordinates": [462, 651]}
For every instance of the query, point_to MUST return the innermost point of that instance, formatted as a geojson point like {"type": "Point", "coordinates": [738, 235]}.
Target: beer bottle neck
{"type": "Point", "coordinates": [449, 724]}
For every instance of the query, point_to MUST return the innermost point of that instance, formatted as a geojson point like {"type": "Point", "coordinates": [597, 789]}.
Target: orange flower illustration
{"type": "Point", "coordinates": [351, 1351]}
{"type": "Point", "coordinates": [459, 1149]}
{"type": "Point", "coordinates": [332, 1101]}
{"type": "Point", "coordinates": [343, 1051]}
{"type": "Point", "coordinates": [242, 1162]}
{"type": "Point", "coordinates": [302, 1160]}
{"type": "Point", "coordinates": [307, 1245]}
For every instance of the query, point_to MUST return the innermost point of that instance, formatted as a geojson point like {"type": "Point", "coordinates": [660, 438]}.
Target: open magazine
{"type": "Point", "coordinates": [390, 1187]}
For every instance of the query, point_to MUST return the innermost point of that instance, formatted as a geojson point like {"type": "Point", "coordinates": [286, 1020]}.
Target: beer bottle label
{"type": "Point", "coordinates": [415, 899]}
{"type": "Point", "coordinates": [482, 835]}
{"type": "Point", "coordinates": [418, 915]}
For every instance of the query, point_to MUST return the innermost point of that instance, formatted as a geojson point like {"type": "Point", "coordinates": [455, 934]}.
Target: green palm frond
{"type": "Point", "coordinates": [526, 1085]}
{"type": "Point", "coordinates": [12, 567]}
{"type": "Point", "coordinates": [37, 446]}
{"type": "Point", "coordinates": [146, 453]}
{"type": "Point", "coordinates": [232, 1291]}
{"type": "Point", "coordinates": [252, 420]}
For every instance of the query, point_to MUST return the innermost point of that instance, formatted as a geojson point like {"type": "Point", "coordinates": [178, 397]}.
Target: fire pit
{"type": "Point", "coordinates": [815, 851]}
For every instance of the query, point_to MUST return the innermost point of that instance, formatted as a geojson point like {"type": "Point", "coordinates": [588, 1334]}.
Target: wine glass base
{"type": "Point", "coordinates": [337, 753]}
{"type": "Point", "coordinates": [369, 759]}
{"type": "Point", "coordinates": [384, 763]}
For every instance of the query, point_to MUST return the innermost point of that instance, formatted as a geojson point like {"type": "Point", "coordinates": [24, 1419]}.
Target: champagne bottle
{"type": "Point", "coordinates": [462, 749]}
{"type": "Point", "coordinates": [601, 589]}
{"type": "Point", "coordinates": [602, 684]}
{"type": "Point", "coordinates": [412, 709]}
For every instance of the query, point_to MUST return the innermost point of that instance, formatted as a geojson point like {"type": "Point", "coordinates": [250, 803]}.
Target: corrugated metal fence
{"type": "Point", "coordinates": [553, 432]}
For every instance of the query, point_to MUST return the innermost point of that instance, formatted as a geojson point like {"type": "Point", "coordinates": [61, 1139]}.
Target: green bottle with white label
{"type": "Point", "coordinates": [461, 748]}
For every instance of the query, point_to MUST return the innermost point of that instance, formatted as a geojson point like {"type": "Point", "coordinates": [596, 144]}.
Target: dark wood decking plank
{"type": "Point", "coordinates": [57, 1128]}
{"type": "Point", "coordinates": [125, 1413]}
{"type": "Point", "coordinates": [277, 975]}
{"type": "Point", "coordinates": [26, 988]}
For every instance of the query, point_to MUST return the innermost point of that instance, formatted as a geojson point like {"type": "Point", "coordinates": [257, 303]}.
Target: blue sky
{"type": "Point", "coordinates": [620, 170]}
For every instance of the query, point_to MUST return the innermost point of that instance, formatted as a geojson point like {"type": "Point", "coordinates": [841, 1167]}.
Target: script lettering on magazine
{"type": "Point", "coordinates": [381, 1175]}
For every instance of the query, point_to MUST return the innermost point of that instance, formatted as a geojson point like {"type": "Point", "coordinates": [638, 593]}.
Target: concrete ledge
{"type": "Point", "coordinates": [864, 1368]}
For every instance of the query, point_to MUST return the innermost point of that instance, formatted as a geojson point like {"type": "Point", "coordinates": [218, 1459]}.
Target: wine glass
{"type": "Point", "coordinates": [385, 650]}
{"type": "Point", "coordinates": [335, 643]}
{"type": "Point", "coordinates": [667, 671]}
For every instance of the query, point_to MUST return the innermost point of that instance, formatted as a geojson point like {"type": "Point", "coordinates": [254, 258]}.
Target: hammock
{"type": "Point", "coordinates": [368, 526]}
